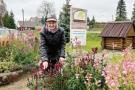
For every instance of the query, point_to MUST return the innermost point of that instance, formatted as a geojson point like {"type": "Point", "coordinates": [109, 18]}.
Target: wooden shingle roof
{"type": "Point", "coordinates": [116, 29]}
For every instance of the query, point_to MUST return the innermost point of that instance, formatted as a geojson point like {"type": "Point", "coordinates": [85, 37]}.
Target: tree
{"type": "Point", "coordinates": [121, 13]}
{"type": "Point", "coordinates": [43, 20]}
{"type": "Point", "coordinates": [92, 22]}
{"type": "Point", "coordinates": [88, 21]}
{"type": "Point", "coordinates": [46, 9]}
{"type": "Point", "coordinates": [64, 20]}
{"type": "Point", "coordinates": [133, 13]}
{"type": "Point", "coordinates": [8, 20]}
{"type": "Point", "coordinates": [2, 11]}
{"type": "Point", "coordinates": [12, 21]}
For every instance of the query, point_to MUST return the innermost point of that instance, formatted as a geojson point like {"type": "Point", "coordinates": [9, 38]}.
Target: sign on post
{"type": "Point", "coordinates": [78, 24]}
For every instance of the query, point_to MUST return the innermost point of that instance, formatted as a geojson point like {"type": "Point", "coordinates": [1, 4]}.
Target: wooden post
{"type": "Point", "coordinates": [103, 43]}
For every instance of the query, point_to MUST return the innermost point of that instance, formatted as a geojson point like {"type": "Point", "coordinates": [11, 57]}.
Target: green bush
{"type": "Point", "coordinates": [13, 58]}
{"type": "Point", "coordinates": [9, 66]}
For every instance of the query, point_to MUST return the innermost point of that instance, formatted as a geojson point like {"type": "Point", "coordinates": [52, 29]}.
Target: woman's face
{"type": "Point", "coordinates": [51, 25]}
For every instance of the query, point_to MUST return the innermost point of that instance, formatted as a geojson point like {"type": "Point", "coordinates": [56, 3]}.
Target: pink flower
{"type": "Point", "coordinates": [97, 64]}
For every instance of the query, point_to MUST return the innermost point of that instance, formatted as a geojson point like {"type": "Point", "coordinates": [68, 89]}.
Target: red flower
{"type": "Point", "coordinates": [58, 66]}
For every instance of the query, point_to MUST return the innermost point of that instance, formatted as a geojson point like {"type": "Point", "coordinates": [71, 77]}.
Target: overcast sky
{"type": "Point", "coordinates": [103, 10]}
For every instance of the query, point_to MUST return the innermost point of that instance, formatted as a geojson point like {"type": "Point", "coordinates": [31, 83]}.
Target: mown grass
{"type": "Point", "coordinates": [93, 40]}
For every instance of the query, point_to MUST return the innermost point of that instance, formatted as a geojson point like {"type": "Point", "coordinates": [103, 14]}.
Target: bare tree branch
{"type": "Point", "coordinates": [46, 9]}
{"type": "Point", "coordinates": [2, 11]}
{"type": "Point", "coordinates": [67, 2]}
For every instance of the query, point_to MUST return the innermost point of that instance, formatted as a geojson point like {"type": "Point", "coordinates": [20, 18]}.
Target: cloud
{"type": "Point", "coordinates": [103, 10]}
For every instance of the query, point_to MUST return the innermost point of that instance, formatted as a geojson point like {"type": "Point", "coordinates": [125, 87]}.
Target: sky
{"type": "Point", "coordinates": [103, 10]}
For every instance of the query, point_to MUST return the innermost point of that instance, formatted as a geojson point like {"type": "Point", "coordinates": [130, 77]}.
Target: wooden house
{"type": "Point", "coordinates": [118, 35]}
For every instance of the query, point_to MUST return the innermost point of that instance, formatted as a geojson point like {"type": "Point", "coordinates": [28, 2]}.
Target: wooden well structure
{"type": "Point", "coordinates": [118, 35]}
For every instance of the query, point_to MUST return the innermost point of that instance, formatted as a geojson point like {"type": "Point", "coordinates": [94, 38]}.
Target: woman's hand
{"type": "Point", "coordinates": [45, 64]}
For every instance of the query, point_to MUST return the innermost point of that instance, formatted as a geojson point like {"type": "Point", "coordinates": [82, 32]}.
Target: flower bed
{"type": "Point", "coordinates": [121, 76]}
{"type": "Point", "coordinates": [20, 55]}
{"type": "Point", "coordinates": [86, 71]}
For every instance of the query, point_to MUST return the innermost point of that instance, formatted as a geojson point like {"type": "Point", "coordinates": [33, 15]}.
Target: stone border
{"type": "Point", "coordinates": [6, 78]}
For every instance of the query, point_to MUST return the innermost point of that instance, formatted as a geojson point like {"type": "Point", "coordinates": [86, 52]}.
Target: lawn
{"type": "Point", "coordinates": [93, 40]}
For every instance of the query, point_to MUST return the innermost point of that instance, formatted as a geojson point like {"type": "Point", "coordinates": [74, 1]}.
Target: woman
{"type": "Point", "coordinates": [52, 43]}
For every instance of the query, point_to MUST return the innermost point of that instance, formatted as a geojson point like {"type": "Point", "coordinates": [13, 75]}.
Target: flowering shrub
{"type": "Point", "coordinates": [87, 71]}
{"type": "Point", "coordinates": [81, 72]}
{"type": "Point", "coordinates": [45, 79]}
{"type": "Point", "coordinates": [121, 76]}
{"type": "Point", "coordinates": [19, 54]}
{"type": "Point", "coordinates": [7, 63]}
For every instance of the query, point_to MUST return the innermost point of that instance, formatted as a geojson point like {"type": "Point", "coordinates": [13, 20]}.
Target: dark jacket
{"type": "Point", "coordinates": [52, 45]}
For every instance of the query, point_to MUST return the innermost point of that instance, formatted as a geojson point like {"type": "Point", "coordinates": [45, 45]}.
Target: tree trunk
{"type": "Point", "coordinates": [1, 21]}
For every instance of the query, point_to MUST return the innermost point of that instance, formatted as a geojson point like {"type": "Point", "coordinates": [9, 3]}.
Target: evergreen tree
{"type": "Point", "coordinates": [43, 20]}
{"type": "Point", "coordinates": [12, 24]}
{"type": "Point", "coordinates": [88, 21]}
{"type": "Point", "coordinates": [64, 20]}
{"type": "Point", "coordinates": [133, 13]}
{"type": "Point", "coordinates": [92, 22]}
{"type": "Point", "coordinates": [8, 20]}
{"type": "Point", "coordinates": [121, 13]}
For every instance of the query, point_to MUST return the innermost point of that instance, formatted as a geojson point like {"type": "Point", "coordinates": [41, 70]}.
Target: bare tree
{"type": "Point", "coordinates": [67, 2]}
{"type": "Point", "coordinates": [2, 11]}
{"type": "Point", "coordinates": [46, 9]}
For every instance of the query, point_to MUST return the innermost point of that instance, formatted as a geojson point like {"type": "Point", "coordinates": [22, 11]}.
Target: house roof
{"type": "Point", "coordinates": [116, 29]}
{"type": "Point", "coordinates": [30, 24]}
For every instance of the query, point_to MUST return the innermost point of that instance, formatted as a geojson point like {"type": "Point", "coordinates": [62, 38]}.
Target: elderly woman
{"type": "Point", "coordinates": [52, 43]}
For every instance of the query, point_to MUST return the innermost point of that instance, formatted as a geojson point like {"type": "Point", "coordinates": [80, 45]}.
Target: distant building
{"type": "Point", "coordinates": [32, 24]}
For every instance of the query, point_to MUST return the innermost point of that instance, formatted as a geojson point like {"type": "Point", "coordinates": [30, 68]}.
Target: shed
{"type": "Point", "coordinates": [118, 35]}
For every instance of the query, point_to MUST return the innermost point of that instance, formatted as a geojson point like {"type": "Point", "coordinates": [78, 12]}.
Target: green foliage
{"type": "Point", "coordinates": [76, 84]}
{"type": "Point", "coordinates": [7, 66]}
{"type": "Point", "coordinates": [43, 20]}
{"type": "Point", "coordinates": [6, 60]}
{"type": "Point", "coordinates": [121, 13]}
{"type": "Point", "coordinates": [88, 21]}
{"type": "Point", "coordinates": [5, 19]}
{"type": "Point", "coordinates": [8, 20]}
{"type": "Point", "coordinates": [14, 58]}
{"type": "Point", "coordinates": [64, 20]}
{"type": "Point", "coordinates": [23, 58]}
{"type": "Point", "coordinates": [92, 23]}
{"type": "Point", "coordinates": [59, 83]}
{"type": "Point", "coordinates": [4, 52]}
{"type": "Point", "coordinates": [133, 13]}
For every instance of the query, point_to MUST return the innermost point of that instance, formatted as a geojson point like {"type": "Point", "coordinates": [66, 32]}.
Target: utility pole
{"type": "Point", "coordinates": [23, 18]}
{"type": "Point", "coordinates": [112, 18]}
